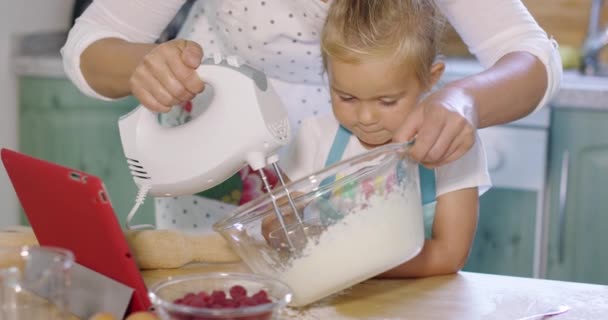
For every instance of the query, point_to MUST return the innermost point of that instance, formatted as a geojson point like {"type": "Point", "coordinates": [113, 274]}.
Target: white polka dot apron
{"type": "Point", "coordinates": [279, 37]}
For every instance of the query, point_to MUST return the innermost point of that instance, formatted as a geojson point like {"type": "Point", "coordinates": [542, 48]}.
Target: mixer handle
{"type": "Point", "coordinates": [218, 76]}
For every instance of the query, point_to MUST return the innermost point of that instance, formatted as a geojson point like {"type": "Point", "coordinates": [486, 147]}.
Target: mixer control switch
{"type": "Point", "coordinates": [280, 129]}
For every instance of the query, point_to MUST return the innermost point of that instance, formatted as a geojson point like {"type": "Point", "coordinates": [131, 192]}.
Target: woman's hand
{"type": "Point", "coordinates": [444, 126]}
{"type": "Point", "coordinates": [167, 76]}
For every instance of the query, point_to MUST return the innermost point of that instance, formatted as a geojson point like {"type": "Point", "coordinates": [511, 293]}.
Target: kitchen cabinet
{"type": "Point", "coordinates": [577, 198]}
{"type": "Point", "coordinates": [60, 124]}
{"type": "Point", "coordinates": [507, 241]}
{"type": "Point", "coordinates": [504, 243]}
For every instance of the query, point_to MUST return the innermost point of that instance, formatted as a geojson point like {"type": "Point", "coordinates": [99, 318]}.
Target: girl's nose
{"type": "Point", "coordinates": [366, 114]}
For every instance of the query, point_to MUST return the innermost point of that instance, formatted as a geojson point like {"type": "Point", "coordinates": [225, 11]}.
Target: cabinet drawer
{"type": "Point", "coordinates": [60, 124]}
{"type": "Point", "coordinates": [516, 156]}
{"type": "Point", "coordinates": [59, 94]}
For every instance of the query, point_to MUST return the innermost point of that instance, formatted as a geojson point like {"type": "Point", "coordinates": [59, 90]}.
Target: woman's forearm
{"type": "Point", "coordinates": [509, 90]}
{"type": "Point", "coordinates": [108, 64]}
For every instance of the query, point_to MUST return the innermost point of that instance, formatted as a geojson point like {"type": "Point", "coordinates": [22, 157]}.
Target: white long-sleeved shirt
{"type": "Point", "coordinates": [282, 37]}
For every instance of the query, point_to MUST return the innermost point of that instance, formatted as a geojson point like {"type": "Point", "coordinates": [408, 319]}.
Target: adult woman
{"type": "Point", "coordinates": [110, 54]}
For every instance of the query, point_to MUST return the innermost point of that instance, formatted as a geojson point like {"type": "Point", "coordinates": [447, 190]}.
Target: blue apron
{"type": "Point", "coordinates": [427, 177]}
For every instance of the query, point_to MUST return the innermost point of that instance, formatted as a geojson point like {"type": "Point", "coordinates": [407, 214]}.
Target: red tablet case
{"type": "Point", "coordinates": [70, 209]}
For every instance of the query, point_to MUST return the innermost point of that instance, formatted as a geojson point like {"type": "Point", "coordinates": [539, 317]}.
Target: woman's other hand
{"type": "Point", "coordinates": [167, 75]}
{"type": "Point", "coordinates": [444, 126]}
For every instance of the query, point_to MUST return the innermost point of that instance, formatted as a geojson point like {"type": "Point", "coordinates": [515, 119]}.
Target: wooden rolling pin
{"type": "Point", "coordinates": [152, 249]}
{"type": "Point", "coordinates": [162, 249]}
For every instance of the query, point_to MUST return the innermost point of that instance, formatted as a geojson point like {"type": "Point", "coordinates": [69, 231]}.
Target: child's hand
{"type": "Point", "coordinates": [444, 126]}
{"type": "Point", "coordinates": [167, 76]}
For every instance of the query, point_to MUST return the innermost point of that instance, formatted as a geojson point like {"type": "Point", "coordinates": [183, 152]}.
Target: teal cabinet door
{"type": "Point", "coordinates": [504, 242]}
{"type": "Point", "coordinates": [578, 197]}
{"type": "Point", "coordinates": [60, 124]}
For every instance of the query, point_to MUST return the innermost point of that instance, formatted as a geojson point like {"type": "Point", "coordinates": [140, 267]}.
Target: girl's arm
{"type": "Point", "coordinates": [453, 233]}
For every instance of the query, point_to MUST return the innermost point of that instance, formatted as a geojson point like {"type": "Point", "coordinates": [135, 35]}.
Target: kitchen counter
{"type": "Point", "coordinates": [577, 90]}
{"type": "Point", "coordinates": [38, 55]}
{"type": "Point", "coordinates": [461, 296]}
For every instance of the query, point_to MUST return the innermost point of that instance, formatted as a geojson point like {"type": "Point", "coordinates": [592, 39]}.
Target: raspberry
{"type": "Point", "coordinates": [218, 299]}
{"type": "Point", "coordinates": [197, 302]}
{"type": "Point", "coordinates": [218, 296]}
{"type": "Point", "coordinates": [189, 299]}
{"type": "Point", "coordinates": [249, 302]}
{"type": "Point", "coordinates": [238, 291]}
{"type": "Point", "coordinates": [230, 303]}
{"type": "Point", "coordinates": [186, 297]}
{"type": "Point", "coordinates": [261, 297]}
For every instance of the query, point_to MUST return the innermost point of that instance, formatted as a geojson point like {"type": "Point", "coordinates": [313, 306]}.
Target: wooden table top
{"type": "Point", "coordinates": [461, 296]}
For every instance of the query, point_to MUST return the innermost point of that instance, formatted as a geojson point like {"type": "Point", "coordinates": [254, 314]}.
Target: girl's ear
{"type": "Point", "coordinates": [437, 70]}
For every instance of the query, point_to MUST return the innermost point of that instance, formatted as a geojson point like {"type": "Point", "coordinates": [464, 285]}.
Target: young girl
{"type": "Point", "coordinates": [380, 58]}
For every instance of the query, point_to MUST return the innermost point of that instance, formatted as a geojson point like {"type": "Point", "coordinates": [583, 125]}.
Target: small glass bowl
{"type": "Point", "coordinates": [164, 294]}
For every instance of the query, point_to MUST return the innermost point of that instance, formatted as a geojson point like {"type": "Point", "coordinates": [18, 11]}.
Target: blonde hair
{"type": "Point", "coordinates": [407, 30]}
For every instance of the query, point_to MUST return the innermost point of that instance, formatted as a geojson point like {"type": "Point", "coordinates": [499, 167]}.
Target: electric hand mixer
{"type": "Point", "coordinates": [244, 123]}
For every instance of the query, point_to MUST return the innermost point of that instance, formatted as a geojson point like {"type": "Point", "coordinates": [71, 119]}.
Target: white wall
{"type": "Point", "coordinates": [20, 16]}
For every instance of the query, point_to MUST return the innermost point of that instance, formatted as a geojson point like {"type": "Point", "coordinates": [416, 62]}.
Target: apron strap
{"type": "Point", "coordinates": [338, 146]}
{"type": "Point", "coordinates": [427, 184]}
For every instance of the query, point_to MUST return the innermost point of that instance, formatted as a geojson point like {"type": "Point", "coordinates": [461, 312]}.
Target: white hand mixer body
{"type": "Point", "coordinates": [245, 122]}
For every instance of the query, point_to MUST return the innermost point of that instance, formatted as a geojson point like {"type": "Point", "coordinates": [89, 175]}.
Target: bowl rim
{"type": "Point", "coordinates": [202, 311]}
{"type": "Point", "coordinates": [229, 221]}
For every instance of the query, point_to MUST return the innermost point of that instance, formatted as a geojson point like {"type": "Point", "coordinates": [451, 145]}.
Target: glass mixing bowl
{"type": "Point", "coordinates": [344, 224]}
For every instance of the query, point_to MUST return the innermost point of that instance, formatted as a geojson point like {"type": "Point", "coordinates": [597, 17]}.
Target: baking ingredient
{"type": "Point", "coordinates": [218, 299]}
{"type": "Point", "coordinates": [383, 231]}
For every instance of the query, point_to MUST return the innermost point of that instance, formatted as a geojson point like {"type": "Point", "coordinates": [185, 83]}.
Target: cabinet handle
{"type": "Point", "coordinates": [563, 191]}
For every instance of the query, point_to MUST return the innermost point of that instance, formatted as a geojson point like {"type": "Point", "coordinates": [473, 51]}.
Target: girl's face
{"type": "Point", "coordinates": [372, 99]}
